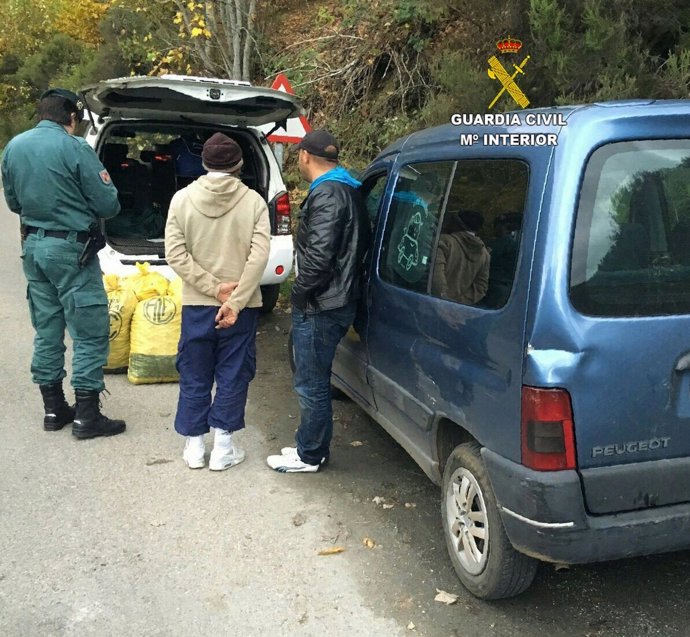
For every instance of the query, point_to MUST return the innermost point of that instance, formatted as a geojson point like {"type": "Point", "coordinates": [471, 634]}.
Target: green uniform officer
{"type": "Point", "coordinates": [60, 189]}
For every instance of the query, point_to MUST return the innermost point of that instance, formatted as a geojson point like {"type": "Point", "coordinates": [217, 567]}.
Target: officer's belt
{"type": "Point", "coordinates": [57, 234]}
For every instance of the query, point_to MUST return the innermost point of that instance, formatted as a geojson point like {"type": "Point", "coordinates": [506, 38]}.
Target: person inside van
{"type": "Point", "coordinates": [461, 269]}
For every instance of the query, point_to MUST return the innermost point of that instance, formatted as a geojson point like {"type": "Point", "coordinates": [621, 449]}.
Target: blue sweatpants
{"type": "Point", "coordinates": [205, 354]}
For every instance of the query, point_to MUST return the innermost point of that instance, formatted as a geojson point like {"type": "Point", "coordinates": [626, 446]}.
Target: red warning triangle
{"type": "Point", "coordinates": [297, 127]}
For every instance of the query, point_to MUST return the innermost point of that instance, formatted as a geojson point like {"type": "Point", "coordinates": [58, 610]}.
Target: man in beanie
{"type": "Point", "coordinates": [332, 238]}
{"type": "Point", "coordinates": [217, 238]}
{"type": "Point", "coordinates": [56, 184]}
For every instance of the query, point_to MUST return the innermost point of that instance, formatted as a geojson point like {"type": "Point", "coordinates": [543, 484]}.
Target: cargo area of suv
{"type": "Point", "coordinates": [149, 133]}
{"type": "Point", "coordinates": [149, 163]}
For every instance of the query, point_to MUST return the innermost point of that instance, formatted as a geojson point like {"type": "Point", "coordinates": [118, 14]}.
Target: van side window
{"type": "Point", "coordinates": [373, 189]}
{"type": "Point", "coordinates": [477, 251]}
{"type": "Point", "coordinates": [412, 224]}
{"type": "Point", "coordinates": [631, 249]}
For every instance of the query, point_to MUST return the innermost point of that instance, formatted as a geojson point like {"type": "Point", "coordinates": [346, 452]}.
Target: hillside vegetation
{"type": "Point", "coordinates": [370, 71]}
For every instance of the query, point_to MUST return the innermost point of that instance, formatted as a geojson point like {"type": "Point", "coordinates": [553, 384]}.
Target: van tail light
{"type": "Point", "coordinates": [548, 433]}
{"type": "Point", "coordinates": [282, 207]}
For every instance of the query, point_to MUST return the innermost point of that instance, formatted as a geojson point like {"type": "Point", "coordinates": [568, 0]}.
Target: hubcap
{"type": "Point", "coordinates": [466, 521]}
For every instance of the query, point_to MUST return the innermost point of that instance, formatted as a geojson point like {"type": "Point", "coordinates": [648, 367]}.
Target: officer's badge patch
{"type": "Point", "coordinates": [105, 177]}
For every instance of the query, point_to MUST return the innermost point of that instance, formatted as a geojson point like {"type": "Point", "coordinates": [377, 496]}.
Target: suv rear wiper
{"type": "Point", "coordinates": [278, 125]}
{"type": "Point", "coordinates": [88, 109]}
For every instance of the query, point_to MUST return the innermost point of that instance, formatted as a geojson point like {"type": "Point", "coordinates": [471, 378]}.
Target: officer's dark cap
{"type": "Point", "coordinates": [68, 95]}
{"type": "Point", "coordinates": [320, 143]}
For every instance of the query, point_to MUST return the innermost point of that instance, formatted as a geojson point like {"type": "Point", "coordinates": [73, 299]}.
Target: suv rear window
{"type": "Point", "coordinates": [148, 163]}
{"type": "Point", "coordinates": [631, 250]}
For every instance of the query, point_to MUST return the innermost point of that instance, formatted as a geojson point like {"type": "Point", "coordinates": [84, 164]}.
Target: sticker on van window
{"type": "Point", "coordinates": [408, 248]}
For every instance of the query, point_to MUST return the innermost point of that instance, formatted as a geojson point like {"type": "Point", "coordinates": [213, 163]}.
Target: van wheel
{"type": "Point", "coordinates": [269, 297]}
{"type": "Point", "coordinates": [336, 394]}
{"type": "Point", "coordinates": [481, 553]}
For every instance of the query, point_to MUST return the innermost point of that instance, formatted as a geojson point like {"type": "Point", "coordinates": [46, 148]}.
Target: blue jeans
{"type": "Point", "coordinates": [205, 355]}
{"type": "Point", "coordinates": [315, 338]}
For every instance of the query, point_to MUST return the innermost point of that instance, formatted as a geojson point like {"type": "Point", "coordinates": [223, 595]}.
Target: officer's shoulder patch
{"type": "Point", "coordinates": [105, 177]}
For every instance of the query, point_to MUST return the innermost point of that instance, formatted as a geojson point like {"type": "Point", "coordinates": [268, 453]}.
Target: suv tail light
{"type": "Point", "coordinates": [283, 214]}
{"type": "Point", "coordinates": [548, 434]}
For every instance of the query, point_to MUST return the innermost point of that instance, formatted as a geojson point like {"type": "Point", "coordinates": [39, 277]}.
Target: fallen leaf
{"type": "Point", "coordinates": [411, 626]}
{"type": "Point", "coordinates": [334, 550]}
{"type": "Point", "coordinates": [445, 598]}
{"type": "Point", "coordinates": [356, 443]}
{"type": "Point", "coordinates": [368, 542]}
{"type": "Point", "coordinates": [410, 505]}
{"type": "Point", "coordinates": [299, 519]}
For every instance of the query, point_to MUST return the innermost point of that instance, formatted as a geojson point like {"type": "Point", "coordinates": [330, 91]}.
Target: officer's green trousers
{"type": "Point", "coordinates": [61, 294]}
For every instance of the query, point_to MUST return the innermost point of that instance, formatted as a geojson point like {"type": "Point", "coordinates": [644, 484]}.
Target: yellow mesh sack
{"type": "Point", "coordinates": [154, 337]}
{"type": "Point", "coordinates": [111, 282]}
{"type": "Point", "coordinates": [146, 284]}
{"type": "Point", "coordinates": [121, 305]}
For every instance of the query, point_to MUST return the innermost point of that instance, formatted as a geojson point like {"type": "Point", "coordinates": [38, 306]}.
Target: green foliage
{"type": "Point", "coordinates": [370, 71]}
{"type": "Point", "coordinates": [674, 75]}
{"type": "Point", "coordinates": [56, 59]}
{"type": "Point", "coordinates": [598, 50]}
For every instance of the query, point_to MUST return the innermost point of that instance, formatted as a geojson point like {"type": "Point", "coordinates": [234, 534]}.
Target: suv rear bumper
{"type": "Point", "coordinates": [281, 254]}
{"type": "Point", "coordinates": [544, 516]}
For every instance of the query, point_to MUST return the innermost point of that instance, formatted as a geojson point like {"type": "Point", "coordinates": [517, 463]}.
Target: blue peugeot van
{"type": "Point", "coordinates": [525, 332]}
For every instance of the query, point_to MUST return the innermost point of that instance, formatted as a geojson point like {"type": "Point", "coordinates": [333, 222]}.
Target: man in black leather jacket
{"type": "Point", "coordinates": [332, 239]}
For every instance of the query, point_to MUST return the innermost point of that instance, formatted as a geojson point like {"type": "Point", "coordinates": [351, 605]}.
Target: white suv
{"type": "Point", "coordinates": [148, 132]}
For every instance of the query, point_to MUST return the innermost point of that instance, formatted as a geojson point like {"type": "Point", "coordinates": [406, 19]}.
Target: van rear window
{"type": "Point", "coordinates": [631, 249]}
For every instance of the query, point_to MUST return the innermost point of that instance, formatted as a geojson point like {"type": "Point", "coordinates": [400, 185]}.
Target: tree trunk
{"type": "Point", "coordinates": [233, 38]}
{"type": "Point", "coordinates": [249, 41]}
{"type": "Point", "coordinates": [237, 41]}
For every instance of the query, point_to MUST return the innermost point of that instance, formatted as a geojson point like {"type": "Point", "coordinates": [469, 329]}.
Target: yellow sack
{"type": "Point", "coordinates": [111, 282]}
{"type": "Point", "coordinates": [146, 284]}
{"type": "Point", "coordinates": [121, 305]}
{"type": "Point", "coordinates": [155, 334]}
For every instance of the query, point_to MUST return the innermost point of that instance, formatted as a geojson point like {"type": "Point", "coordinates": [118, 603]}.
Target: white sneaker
{"type": "Point", "coordinates": [291, 463]}
{"type": "Point", "coordinates": [292, 452]}
{"type": "Point", "coordinates": [194, 450]}
{"type": "Point", "coordinates": [224, 454]}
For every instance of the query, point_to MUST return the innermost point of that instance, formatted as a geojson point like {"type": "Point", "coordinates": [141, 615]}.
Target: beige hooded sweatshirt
{"type": "Point", "coordinates": [218, 231]}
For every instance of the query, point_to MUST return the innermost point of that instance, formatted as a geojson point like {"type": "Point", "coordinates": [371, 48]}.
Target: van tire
{"type": "Point", "coordinates": [496, 570]}
{"type": "Point", "coordinates": [269, 297]}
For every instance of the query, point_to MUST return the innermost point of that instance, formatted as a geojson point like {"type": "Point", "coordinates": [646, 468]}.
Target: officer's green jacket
{"type": "Point", "coordinates": [55, 180]}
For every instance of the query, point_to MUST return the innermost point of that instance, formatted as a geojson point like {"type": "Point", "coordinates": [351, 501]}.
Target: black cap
{"type": "Point", "coordinates": [71, 97]}
{"type": "Point", "coordinates": [320, 143]}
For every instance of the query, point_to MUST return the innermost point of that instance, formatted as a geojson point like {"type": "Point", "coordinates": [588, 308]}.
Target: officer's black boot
{"type": "Point", "coordinates": [89, 422]}
{"type": "Point", "coordinates": [57, 412]}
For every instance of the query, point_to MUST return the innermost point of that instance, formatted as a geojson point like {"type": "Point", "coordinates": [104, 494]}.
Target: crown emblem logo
{"type": "Point", "coordinates": [509, 45]}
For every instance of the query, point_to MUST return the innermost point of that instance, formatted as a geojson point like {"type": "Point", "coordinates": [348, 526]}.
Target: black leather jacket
{"type": "Point", "coordinates": [332, 238]}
